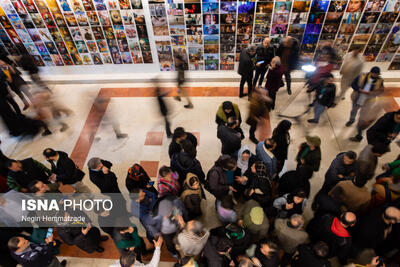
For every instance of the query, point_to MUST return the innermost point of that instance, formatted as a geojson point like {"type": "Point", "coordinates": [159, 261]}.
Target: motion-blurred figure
{"type": "Point", "coordinates": [288, 51]}
{"type": "Point", "coordinates": [180, 79]}
{"type": "Point", "coordinates": [16, 83]}
{"type": "Point", "coordinates": [274, 79]}
{"type": "Point", "coordinates": [100, 106]}
{"type": "Point", "coordinates": [352, 66]}
{"type": "Point", "coordinates": [367, 87]}
{"type": "Point", "coordinates": [325, 62]}
{"type": "Point", "coordinates": [27, 63]}
{"type": "Point", "coordinates": [160, 94]}
{"type": "Point", "coordinates": [257, 110]}
{"type": "Point", "coordinates": [47, 109]}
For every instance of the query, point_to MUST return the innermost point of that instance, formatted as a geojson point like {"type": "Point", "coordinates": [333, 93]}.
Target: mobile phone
{"type": "Point", "coordinates": [151, 183]}
{"type": "Point", "coordinates": [49, 232]}
{"type": "Point", "coordinates": [380, 262]}
{"type": "Point", "coordinates": [260, 62]}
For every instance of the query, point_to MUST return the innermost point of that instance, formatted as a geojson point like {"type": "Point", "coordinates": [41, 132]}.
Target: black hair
{"type": "Point", "coordinates": [223, 244]}
{"type": "Point", "coordinates": [135, 190]}
{"type": "Point", "coordinates": [192, 180]}
{"type": "Point", "coordinates": [13, 243]}
{"type": "Point", "coordinates": [231, 121]}
{"type": "Point", "coordinates": [178, 133]}
{"type": "Point", "coordinates": [273, 247]}
{"type": "Point", "coordinates": [229, 163]}
{"type": "Point", "coordinates": [397, 112]}
{"type": "Point", "coordinates": [351, 154]}
{"type": "Point", "coordinates": [321, 249]}
{"type": "Point", "coordinates": [164, 170]}
{"type": "Point", "coordinates": [49, 152]}
{"type": "Point", "coordinates": [358, 181]}
{"type": "Point", "coordinates": [299, 193]}
{"type": "Point", "coordinates": [189, 148]}
{"type": "Point", "coordinates": [227, 202]}
{"type": "Point", "coordinates": [246, 152]}
{"type": "Point", "coordinates": [269, 143]}
{"type": "Point", "coordinates": [32, 186]}
{"type": "Point", "coordinates": [380, 148]}
{"type": "Point", "coordinates": [127, 259]}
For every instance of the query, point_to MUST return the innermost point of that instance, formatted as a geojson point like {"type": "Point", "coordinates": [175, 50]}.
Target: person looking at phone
{"type": "Point", "coordinates": [289, 204]}
{"type": "Point", "coordinates": [264, 54]}
{"type": "Point", "coordinates": [29, 254]}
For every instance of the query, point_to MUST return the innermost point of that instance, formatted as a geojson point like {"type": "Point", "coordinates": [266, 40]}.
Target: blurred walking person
{"type": "Point", "coordinates": [353, 63]}
{"type": "Point", "coordinates": [160, 94]}
{"type": "Point", "coordinates": [257, 111]}
{"type": "Point", "coordinates": [246, 67]}
{"type": "Point", "coordinates": [182, 91]}
{"type": "Point", "coordinates": [288, 52]}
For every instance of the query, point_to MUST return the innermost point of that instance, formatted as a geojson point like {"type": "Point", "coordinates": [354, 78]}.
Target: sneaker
{"type": "Point", "coordinates": [176, 256]}
{"type": "Point", "coordinates": [349, 123]}
{"type": "Point", "coordinates": [356, 138]}
{"type": "Point", "coordinates": [122, 135]}
{"type": "Point", "coordinates": [103, 238]}
{"type": "Point", "coordinates": [177, 98]}
{"type": "Point", "coordinates": [189, 106]}
{"type": "Point", "coordinates": [46, 132]}
{"type": "Point", "coordinates": [100, 249]}
{"type": "Point", "coordinates": [312, 121]}
{"type": "Point", "coordinates": [63, 263]}
{"type": "Point", "coordinates": [289, 92]}
{"type": "Point", "coordinates": [243, 95]}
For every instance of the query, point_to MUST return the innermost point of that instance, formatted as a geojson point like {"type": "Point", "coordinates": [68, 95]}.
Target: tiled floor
{"type": "Point", "coordinates": [91, 134]}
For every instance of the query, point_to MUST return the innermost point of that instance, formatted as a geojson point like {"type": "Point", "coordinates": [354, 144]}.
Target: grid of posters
{"type": "Point", "coordinates": [76, 32]}
{"type": "Point", "coordinates": [196, 34]}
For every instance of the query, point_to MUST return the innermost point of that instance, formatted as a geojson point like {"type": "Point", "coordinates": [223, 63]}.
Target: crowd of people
{"type": "Point", "coordinates": [259, 207]}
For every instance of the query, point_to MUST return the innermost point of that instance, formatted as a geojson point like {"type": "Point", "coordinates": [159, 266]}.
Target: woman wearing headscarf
{"type": "Point", "coordinates": [245, 160]}
{"type": "Point", "coordinates": [282, 139]}
{"type": "Point", "coordinates": [228, 109]}
{"type": "Point", "coordinates": [138, 178]}
{"type": "Point", "coordinates": [192, 195]}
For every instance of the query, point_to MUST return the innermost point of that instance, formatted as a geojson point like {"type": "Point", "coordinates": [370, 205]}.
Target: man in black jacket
{"type": "Point", "coordinates": [264, 54]}
{"type": "Point", "coordinates": [325, 97]}
{"type": "Point", "coordinates": [288, 51]}
{"type": "Point", "coordinates": [178, 136]}
{"type": "Point", "coordinates": [101, 175]}
{"type": "Point", "coordinates": [216, 251]}
{"type": "Point", "coordinates": [385, 129]}
{"type": "Point", "coordinates": [22, 173]}
{"type": "Point", "coordinates": [34, 255]}
{"type": "Point", "coordinates": [65, 169]}
{"type": "Point", "coordinates": [335, 232]}
{"type": "Point", "coordinates": [245, 70]}
{"type": "Point", "coordinates": [230, 139]}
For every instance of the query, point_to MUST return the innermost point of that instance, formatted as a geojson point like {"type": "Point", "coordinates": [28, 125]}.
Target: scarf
{"type": "Point", "coordinates": [338, 229]}
{"type": "Point", "coordinates": [305, 152]}
{"type": "Point", "coordinates": [243, 165]}
{"type": "Point", "coordinates": [188, 190]}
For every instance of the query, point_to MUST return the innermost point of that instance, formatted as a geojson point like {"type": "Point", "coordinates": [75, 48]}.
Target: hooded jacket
{"type": "Point", "coordinates": [218, 181]}
{"type": "Point", "coordinates": [191, 244]}
{"type": "Point", "coordinates": [191, 198]}
{"type": "Point", "coordinates": [183, 164]}
{"type": "Point", "coordinates": [384, 126]}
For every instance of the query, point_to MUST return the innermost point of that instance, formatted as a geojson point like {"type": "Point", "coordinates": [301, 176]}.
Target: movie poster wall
{"type": "Point", "coordinates": [75, 32]}
{"type": "Point", "coordinates": [193, 34]}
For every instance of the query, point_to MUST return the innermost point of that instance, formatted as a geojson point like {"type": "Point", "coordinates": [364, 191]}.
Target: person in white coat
{"type": "Point", "coordinates": [129, 259]}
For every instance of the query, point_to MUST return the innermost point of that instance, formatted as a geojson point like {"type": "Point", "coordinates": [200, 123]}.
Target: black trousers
{"type": "Point", "coordinates": [260, 73]}
{"type": "Point", "coordinates": [14, 104]}
{"type": "Point", "coordinates": [169, 242]}
{"type": "Point", "coordinates": [272, 95]}
{"type": "Point", "coordinates": [252, 130]}
{"type": "Point", "coordinates": [288, 79]}
{"type": "Point", "coordinates": [249, 80]}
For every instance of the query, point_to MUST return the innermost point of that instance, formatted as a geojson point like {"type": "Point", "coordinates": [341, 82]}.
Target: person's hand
{"type": "Point", "coordinates": [232, 264]}
{"type": "Point", "coordinates": [240, 223]}
{"type": "Point", "coordinates": [352, 174]}
{"type": "Point", "coordinates": [49, 239]}
{"type": "Point", "coordinates": [105, 170]}
{"type": "Point", "coordinates": [232, 189]}
{"type": "Point", "coordinates": [302, 161]}
{"type": "Point", "coordinates": [158, 242]}
{"type": "Point", "coordinates": [391, 136]}
{"type": "Point", "coordinates": [24, 190]}
{"type": "Point", "coordinates": [258, 64]}
{"type": "Point", "coordinates": [326, 108]}
{"type": "Point", "coordinates": [240, 179]}
{"type": "Point", "coordinates": [340, 176]}
{"type": "Point", "coordinates": [251, 192]}
{"type": "Point", "coordinates": [131, 229]}
{"type": "Point", "coordinates": [131, 248]}
{"type": "Point", "coordinates": [53, 177]}
{"type": "Point", "coordinates": [86, 230]}
{"type": "Point", "coordinates": [289, 206]}
{"type": "Point", "coordinates": [256, 262]}
{"type": "Point", "coordinates": [181, 221]}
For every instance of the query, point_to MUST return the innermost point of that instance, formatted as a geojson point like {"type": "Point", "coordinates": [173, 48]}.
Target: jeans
{"type": "Point", "coordinates": [318, 110]}
{"type": "Point", "coordinates": [249, 80]}
{"type": "Point", "coordinates": [260, 72]}
{"type": "Point", "coordinates": [148, 223]}
{"type": "Point", "coordinates": [354, 111]}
